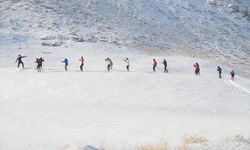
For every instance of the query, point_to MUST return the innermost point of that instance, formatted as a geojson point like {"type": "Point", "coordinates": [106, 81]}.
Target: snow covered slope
{"type": "Point", "coordinates": [116, 110]}
{"type": "Point", "coordinates": [55, 109]}
{"type": "Point", "coordinates": [217, 29]}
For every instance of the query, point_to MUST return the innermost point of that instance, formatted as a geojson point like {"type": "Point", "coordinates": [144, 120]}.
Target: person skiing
{"type": "Point", "coordinates": [82, 63]}
{"type": "Point", "coordinates": [165, 65]}
{"type": "Point", "coordinates": [128, 63]}
{"type": "Point", "coordinates": [19, 60]}
{"type": "Point", "coordinates": [110, 63]}
{"type": "Point", "coordinates": [36, 61]}
{"type": "Point", "coordinates": [197, 69]}
{"type": "Point", "coordinates": [232, 74]}
{"type": "Point", "coordinates": [154, 64]}
{"type": "Point", "coordinates": [66, 63]}
{"type": "Point", "coordinates": [220, 71]}
{"type": "Point", "coordinates": [39, 64]}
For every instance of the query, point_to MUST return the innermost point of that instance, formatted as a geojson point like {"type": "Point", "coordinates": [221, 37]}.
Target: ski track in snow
{"type": "Point", "coordinates": [237, 86]}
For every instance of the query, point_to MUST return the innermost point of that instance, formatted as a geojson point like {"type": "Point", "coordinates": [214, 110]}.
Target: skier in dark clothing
{"type": "Point", "coordinates": [66, 63]}
{"type": "Point", "coordinates": [154, 64]}
{"type": "Point", "coordinates": [197, 69]}
{"type": "Point", "coordinates": [165, 65]}
{"type": "Point", "coordinates": [128, 63]}
{"type": "Point", "coordinates": [232, 75]}
{"type": "Point", "coordinates": [19, 60]}
{"type": "Point", "coordinates": [110, 64]}
{"type": "Point", "coordinates": [220, 71]}
{"type": "Point", "coordinates": [39, 64]}
{"type": "Point", "coordinates": [82, 63]}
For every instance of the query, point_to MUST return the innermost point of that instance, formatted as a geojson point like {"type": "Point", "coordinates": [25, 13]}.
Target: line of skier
{"type": "Point", "coordinates": [109, 62]}
{"type": "Point", "coordinates": [232, 73]}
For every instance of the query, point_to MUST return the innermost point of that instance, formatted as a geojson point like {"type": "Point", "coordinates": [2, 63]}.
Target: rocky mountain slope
{"type": "Point", "coordinates": [217, 29]}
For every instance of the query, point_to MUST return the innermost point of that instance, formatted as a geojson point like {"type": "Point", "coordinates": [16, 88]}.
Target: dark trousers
{"type": "Point", "coordinates": [165, 69]}
{"type": "Point", "coordinates": [39, 67]}
{"type": "Point", "coordinates": [109, 67]}
{"type": "Point", "coordinates": [197, 72]}
{"type": "Point", "coordinates": [154, 67]}
{"type": "Point", "coordinates": [220, 75]}
{"type": "Point", "coordinates": [232, 77]}
{"type": "Point", "coordinates": [66, 67]}
{"type": "Point", "coordinates": [20, 62]}
{"type": "Point", "coordinates": [81, 67]}
{"type": "Point", "coordinates": [127, 67]}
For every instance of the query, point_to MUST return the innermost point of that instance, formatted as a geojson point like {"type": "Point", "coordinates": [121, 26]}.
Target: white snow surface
{"type": "Point", "coordinates": [96, 109]}
{"type": "Point", "coordinates": [54, 109]}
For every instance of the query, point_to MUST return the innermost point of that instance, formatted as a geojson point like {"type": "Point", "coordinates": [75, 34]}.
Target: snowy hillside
{"type": "Point", "coordinates": [120, 110]}
{"type": "Point", "coordinates": [117, 110]}
{"type": "Point", "coordinates": [217, 29]}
